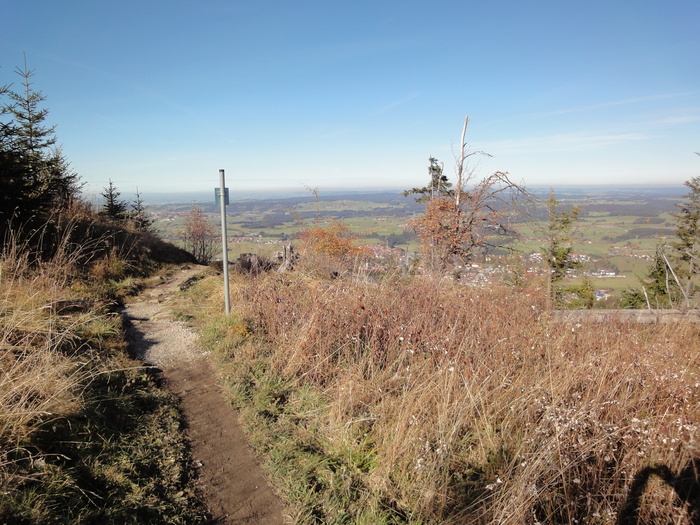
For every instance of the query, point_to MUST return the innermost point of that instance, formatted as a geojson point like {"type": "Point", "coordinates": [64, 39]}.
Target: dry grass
{"type": "Point", "coordinates": [85, 434]}
{"type": "Point", "coordinates": [439, 403]}
{"type": "Point", "coordinates": [38, 379]}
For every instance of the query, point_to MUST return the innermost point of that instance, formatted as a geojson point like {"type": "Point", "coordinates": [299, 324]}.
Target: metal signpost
{"type": "Point", "coordinates": [222, 197]}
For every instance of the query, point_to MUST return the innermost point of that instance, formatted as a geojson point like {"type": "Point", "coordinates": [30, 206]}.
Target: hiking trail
{"type": "Point", "coordinates": [230, 478]}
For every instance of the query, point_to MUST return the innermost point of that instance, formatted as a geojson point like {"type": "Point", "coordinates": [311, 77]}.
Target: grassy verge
{"type": "Point", "coordinates": [410, 400]}
{"type": "Point", "coordinates": [86, 434]}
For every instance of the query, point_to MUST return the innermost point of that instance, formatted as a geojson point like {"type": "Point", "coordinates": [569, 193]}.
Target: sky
{"type": "Point", "coordinates": [160, 95]}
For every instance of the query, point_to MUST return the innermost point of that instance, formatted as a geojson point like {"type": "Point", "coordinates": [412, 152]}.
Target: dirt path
{"type": "Point", "coordinates": [230, 477]}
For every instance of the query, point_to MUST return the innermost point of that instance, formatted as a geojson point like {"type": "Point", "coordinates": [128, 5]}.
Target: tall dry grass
{"type": "Point", "coordinates": [38, 377]}
{"type": "Point", "coordinates": [448, 404]}
{"type": "Point", "coordinates": [85, 434]}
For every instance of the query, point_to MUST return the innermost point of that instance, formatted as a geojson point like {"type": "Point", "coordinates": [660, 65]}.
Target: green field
{"type": "Point", "coordinates": [618, 231]}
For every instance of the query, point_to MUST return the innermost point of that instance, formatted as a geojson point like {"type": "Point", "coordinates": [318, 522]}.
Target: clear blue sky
{"type": "Point", "coordinates": [161, 94]}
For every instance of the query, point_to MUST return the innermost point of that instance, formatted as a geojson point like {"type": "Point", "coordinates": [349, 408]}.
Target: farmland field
{"type": "Point", "coordinates": [616, 236]}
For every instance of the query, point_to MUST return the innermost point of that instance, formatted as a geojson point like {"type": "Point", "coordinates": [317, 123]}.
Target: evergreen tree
{"type": "Point", "coordinates": [670, 281]}
{"type": "Point", "coordinates": [687, 247]}
{"type": "Point", "coordinates": [58, 184]}
{"type": "Point", "coordinates": [113, 207]}
{"type": "Point", "coordinates": [36, 178]}
{"type": "Point", "coordinates": [658, 288]}
{"type": "Point", "coordinates": [139, 216]}
{"type": "Point", "coordinates": [31, 136]}
{"type": "Point", "coordinates": [17, 198]}
{"type": "Point", "coordinates": [439, 186]}
{"type": "Point", "coordinates": [557, 253]}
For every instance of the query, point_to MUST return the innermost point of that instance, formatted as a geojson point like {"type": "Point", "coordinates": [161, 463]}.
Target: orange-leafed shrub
{"type": "Point", "coordinates": [335, 240]}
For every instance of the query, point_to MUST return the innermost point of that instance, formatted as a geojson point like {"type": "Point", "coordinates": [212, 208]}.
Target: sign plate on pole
{"type": "Point", "coordinates": [217, 196]}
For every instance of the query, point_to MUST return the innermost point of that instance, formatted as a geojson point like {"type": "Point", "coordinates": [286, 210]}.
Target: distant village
{"type": "Point", "coordinates": [263, 226]}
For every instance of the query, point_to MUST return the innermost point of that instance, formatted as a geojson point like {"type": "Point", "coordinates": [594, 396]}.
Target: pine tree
{"type": "Point", "coordinates": [113, 208]}
{"type": "Point", "coordinates": [557, 253]}
{"type": "Point", "coordinates": [658, 288]}
{"type": "Point", "coordinates": [670, 281]}
{"type": "Point", "coordinates": [36, 178]}
{"type": "Point", "coordinates": [687, 247]}
{"type": "Point", "coordinates": [18, 199]}
{"type": "Point", "coordinates": [139, 216]}
{"type": "Point", "coordinates": [439, 185]}
{"type": "Point", "coordinates": [32, 138]}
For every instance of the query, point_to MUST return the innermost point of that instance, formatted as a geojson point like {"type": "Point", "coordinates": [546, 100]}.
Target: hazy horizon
{"type": "Point", "coordinates": [197, 197]}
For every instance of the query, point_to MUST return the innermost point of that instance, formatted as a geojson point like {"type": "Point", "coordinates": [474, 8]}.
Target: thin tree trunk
{"type": "Point", "coordinates": [678, 282]}
{"type": "Point", "coordinates": [460, 165]}
{"type": "Point", "coordinates": [646, 296]}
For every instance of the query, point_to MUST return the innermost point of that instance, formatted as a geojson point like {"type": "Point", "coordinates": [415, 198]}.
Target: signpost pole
{"type": "Point", "coordinates": [224, 240]}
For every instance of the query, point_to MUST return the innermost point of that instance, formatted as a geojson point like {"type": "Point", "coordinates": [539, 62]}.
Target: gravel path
{"type": "Point", "coordinates": [230, 477]}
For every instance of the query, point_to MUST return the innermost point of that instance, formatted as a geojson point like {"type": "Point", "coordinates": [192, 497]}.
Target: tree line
{"type": "Point", "coordinates": [38, 185]}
